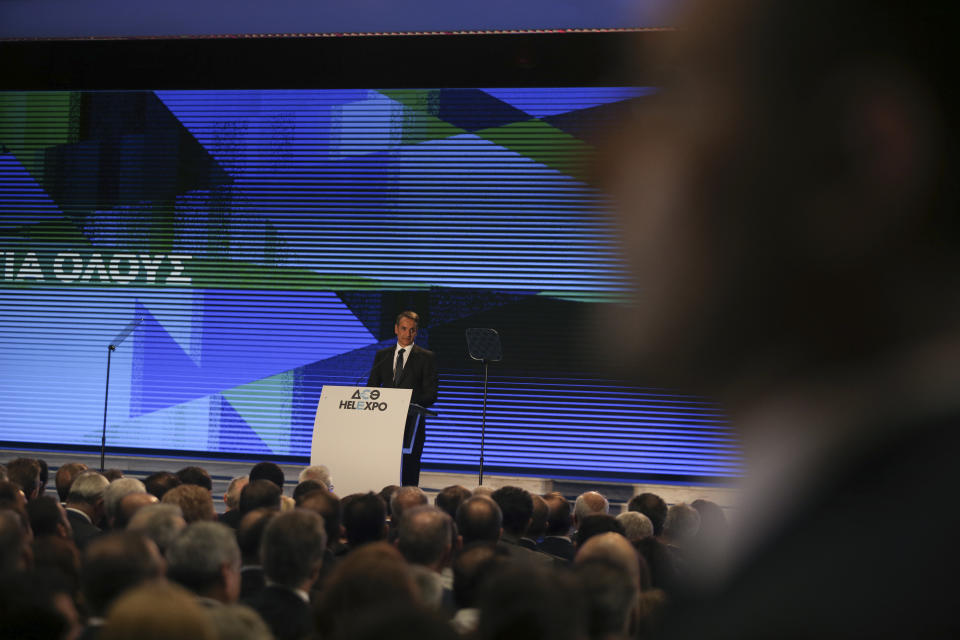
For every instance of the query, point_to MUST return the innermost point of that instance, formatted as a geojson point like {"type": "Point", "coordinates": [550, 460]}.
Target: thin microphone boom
{"type": "Point", "coordinates": [133, 324]}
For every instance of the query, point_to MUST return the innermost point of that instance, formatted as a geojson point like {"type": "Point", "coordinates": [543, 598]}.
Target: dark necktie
{"type": "Point", "coordinates": [399, 368]}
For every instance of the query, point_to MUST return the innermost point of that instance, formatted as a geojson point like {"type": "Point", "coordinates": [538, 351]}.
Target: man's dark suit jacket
{"type": "Point", "coordinates": [230, 518]}
{"type": "Point", "coordinates": [287, 615]}
{"type": "Point", "coordinates": [560, 547]}
{"type": "Point", "coordinates": [83, 531]}
{"type": "Point", "coordinates": [420, 375]}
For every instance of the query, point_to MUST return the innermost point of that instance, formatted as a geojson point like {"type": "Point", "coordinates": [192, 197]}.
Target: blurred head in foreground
{"type": "Point", "coordinates": [788, 197]}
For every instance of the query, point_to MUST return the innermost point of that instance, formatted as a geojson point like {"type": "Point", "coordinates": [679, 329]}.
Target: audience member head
{"type": "Point", "coordinates": [681, 525]}
{"type": "Point", "coordinates": [37, 603]}
{"type": "Point", "coordinates": [158, 611]}
{"type": "Point", "coordinates": [636, 526]}
{"type": "Point", "coordinates": [86, 494]}
{"type": "Point", "coordinates": [425, 537]}
{"type": "Point", "coordinates": [195, 502]}
{"type": "Point", "coordinates": [44, 476]}
{"type": "Point", "coordinates": [114, 563]}
{"type": "Point", "coordinates": [25, 473]}
{"type": "Point", "coordinates": [611, 596]}
{"type": "Point", "coordinates": [612, 547]}
{"type": "Point", "coordinates": [397, 622]}
{"type": "Point", "coordinates": [48, 518]}
{"type": "Point", "coordinates": [530, 602]}
{"type": "Point", "coordinates": [11, 497]}
{"type": "Point", "coordinates": [112, 474]}
{"type": "Point", "coordinates": [159, 522]}
{"type": "Point", "coordinates": [327, 506]}
{"type": "Point", "coordinates": [652, 506]}
{"type": "Point", "coordinates": [714, 528]}
{"type": "Point", "coordinates": [205, 559]}
{"type": "Point", "coordinates": [129, 505]}
{"type": "Point", "coordinates": [260, 494]}
{"type": "Point", "coordinates": [317, 473]}
{"type": "Point", "coordinates": [65, 476]}
{"type": "Point", "coordinates": [268, 471]}
{"type": "Point", "coordinates": [538, 521]}
{"type": "Point", "coordinates": [114, 493]}
{"type": "Point", "coordinates": [590, 503]}
{"type": "Point", "coordinates": [238, 622]}
{"type": "Point", "coordinates": [479, 520]}
{"type": "Point", "coordinates": [14, 543]}
{"type": "Point", "coordinates": [450, 498]}
{"type": "Point", "coordinates": [292, 548]}
{"type": "Point", "coordinates": [197, 476]}
{"type": "Point", "coordinates": [471, 568]}
{"type": "Point", "coordinates": [595, 525]}
{"type": "Point", "coordinates": [559, 518]}
{"type": "Point", "coordinates": [157, 484]}
{"type": "Point", "coordinates": [61, 557]}
{"type": "Point", "coordinates": [232, 496]}
{"type": "Point", "coordinates": [365, 519]}
{"type": "Point", "coordinates": [405, 498]}
{"type": "Point", "coordinates": [250, 534]}
{"type": "Point", "coordinates": [367, 579]}
{"type": "Point", "coordinates": [386, 494]}
{"type": "Point", "coordinates": [304, 488]}
{"type": "Point", "coordinates": [516, 506]}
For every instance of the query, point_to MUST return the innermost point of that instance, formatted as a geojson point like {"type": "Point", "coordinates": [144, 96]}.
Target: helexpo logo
{"type": "Point", "coordinates": [93, 267]}
{"type": "Point", "coordinates": [364, 400]}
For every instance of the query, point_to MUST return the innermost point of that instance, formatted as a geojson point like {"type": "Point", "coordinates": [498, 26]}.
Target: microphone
{"type": "Point", "coordinates": [133, 324]}
{"type": "Point", "coordinates": [376, 363]}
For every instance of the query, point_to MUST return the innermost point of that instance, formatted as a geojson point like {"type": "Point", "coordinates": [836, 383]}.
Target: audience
{"type": "Point", "coordinates": [85, 507]}
{"type": "Point", "coordinates": [503, 565]}
{"type": "Point", "coordinates": [479, 520]}
{"type": "Point", "coordinates": [317, 473]}
{"type": "Point", "coordinates": [205, 559]}
{"type": "Point", "coordinates": [159, 522]}
{"type": "Point", "coordinates": [25, 473]}
{"type": "Point", "coordinates": [195, 502]}
{"type": "Point", "coordinates": [231, 498]}
{"type": "Point", "coordinates": [636, 526]}
{"type": "Point", "coordinates": [267, 471]}
{"type": "Point", "coordinates": [364, 519]}
{"type": "Point", "coordinates": [450, 498]}
{"type": "Point", "coordinates": [292, 554]}
{"type": "Point", "coordinates": [159, 483]}
{"type": "Point", "coordinates": [65, 476]}
{"type": "Point", "coordinates": [112, 496]}
{"type": "Point", "coordinates": [556, 540]}
{"type": "Point", "coordinates": [196, 476]}
{"type": "Point", "coordinates": [652, 506]}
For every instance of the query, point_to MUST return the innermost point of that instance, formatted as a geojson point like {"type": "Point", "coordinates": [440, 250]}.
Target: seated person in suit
{"type": "Point", "coordinates": [556, 540]}
{"type": "Point", "coordinates": [292, 555]}
{"type": "Point", "coordinates": [85, 506]}
{"type": "Point", "coordinates": [205, 559]}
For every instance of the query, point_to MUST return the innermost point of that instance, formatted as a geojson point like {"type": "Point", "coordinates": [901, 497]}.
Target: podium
{"type": "Point", "coordinates": [358, 434]}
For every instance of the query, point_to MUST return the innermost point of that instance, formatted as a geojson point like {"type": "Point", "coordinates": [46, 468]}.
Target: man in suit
{"type": "Point", "coordinates": [85, 506]}
{"type": "Point", "coordinates": [292, 554]}
{"type": "Point", "coordinates": [407, 366]}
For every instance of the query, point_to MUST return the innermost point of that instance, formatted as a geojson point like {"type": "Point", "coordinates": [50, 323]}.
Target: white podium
{"type": "Point", "coordinates": [358, 434]}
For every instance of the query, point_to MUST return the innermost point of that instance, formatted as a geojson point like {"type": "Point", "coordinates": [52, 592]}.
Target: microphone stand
{"type": "Point", "coordinates": [483, 419]}
{"type": "Point", "coordinates": [106, 393]}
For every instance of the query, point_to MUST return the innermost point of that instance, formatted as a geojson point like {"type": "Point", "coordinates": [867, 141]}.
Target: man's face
{"type": "Point", "coordinates": [406, 331]}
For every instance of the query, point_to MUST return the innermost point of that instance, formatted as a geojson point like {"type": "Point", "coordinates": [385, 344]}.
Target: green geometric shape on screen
{"type": "Point", "coordinates": [543, 143]}
{"type": "Point", "coordinates": [420, 124]}
{"type": "Point", "coordinates": [266, 405]}
{"type": "Point", "coordinates": [52, 235]}
{"type": "Point", "coordinates": [32, 121]}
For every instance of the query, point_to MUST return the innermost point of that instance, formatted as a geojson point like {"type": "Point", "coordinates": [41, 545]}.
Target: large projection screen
{"type": "Point", "coordinates": [268, 237]}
